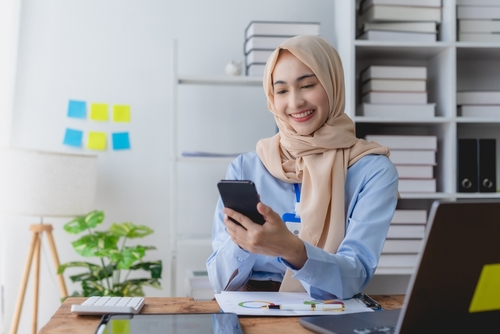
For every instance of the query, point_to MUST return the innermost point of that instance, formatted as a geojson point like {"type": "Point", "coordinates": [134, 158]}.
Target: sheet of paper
{"type": "Point", "coordinates": [249, 303]}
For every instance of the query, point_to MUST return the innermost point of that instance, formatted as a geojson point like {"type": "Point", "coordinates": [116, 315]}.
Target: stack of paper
{"type": "Point", "coordinates": [395, 91]}
{"type": "Point", "coordinates": [399, 20]}
{"type": "Point", "coordinates": [479, 104]}
{"type": "Point", "coordinates": [404, 239]}
{"type": "Point", "coordinates": [414, 157]}
{"type": "Point", "coordinates": [262, 37]}
{"type": "Point", "coordinates": [478, 21]}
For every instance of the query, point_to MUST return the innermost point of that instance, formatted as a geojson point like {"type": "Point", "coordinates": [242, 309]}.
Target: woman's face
{"type": "Point", "coordinates": [299, 98]}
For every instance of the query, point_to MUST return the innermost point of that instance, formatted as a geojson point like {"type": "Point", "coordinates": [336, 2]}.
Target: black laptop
{"type": "Point", "coordinates": [456, 288]}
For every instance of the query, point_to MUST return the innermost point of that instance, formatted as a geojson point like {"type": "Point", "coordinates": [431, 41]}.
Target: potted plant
{"type": "Point", "coordinates": [117, 260]}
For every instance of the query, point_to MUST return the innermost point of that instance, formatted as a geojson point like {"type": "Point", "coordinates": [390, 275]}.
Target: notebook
{"type": "Point", "coordinates": [456, 287]}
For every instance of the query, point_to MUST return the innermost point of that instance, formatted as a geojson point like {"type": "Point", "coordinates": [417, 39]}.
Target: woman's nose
{"type": "Point", "coordinates": [297, 100]}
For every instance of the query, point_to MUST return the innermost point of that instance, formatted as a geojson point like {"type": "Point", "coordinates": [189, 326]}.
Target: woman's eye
{"type": "Point", "coordinates": [281, 91]}
{"type": "Point", "coordinates": [308, 86]}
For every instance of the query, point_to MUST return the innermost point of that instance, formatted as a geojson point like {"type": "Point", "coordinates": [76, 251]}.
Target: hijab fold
{"type": "Point", "coordinates": [319, 161]}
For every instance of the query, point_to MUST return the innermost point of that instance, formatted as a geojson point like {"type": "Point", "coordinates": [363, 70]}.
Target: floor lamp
{"type": "Point", "coordinates": [44, 184]}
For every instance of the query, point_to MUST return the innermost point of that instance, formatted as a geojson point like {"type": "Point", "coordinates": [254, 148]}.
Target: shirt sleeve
{"type": "Point", "coordinates": [369, 214]}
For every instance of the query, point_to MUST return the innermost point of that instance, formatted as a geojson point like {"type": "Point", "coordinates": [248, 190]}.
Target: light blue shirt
{"type": "Point", "coordinates": [371, 191]}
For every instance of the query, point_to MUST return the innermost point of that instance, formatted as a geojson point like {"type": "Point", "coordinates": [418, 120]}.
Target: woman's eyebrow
{"type": "Point", "coordinates": [302, 77]}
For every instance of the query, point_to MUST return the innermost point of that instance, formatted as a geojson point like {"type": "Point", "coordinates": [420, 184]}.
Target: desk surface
{"type": "Point", "coordinates": [63, 321]}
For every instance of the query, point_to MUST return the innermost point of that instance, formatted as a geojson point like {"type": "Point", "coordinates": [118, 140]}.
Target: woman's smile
{"type": "Point", "coordinates": [303, 116]}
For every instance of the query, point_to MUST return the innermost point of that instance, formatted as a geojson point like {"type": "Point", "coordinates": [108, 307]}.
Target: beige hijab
{"type": "Point", "coordinates": [318, 161]}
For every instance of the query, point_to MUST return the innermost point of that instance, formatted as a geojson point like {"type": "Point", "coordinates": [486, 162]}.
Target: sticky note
{"type": "Point", "coordinates": [73, 138]}
{"type": "Point", "coordinates": [97, 141]}
{"type": "Point", "coordinates": [121, 141]}
{"type": "Point", "coordinates": [120, 326]}
{"type": "Point", "coordinates": [486, 296]}
{"type": "Point", "coordinates": [121, 113]}
{"type": "Point", "coordinates": [77, 109]}
{"type": "Point", "coordinates": [99, 112]}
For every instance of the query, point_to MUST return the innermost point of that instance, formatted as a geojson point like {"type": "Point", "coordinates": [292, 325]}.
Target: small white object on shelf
{"type": "Point", "coordinates": [234, 68]}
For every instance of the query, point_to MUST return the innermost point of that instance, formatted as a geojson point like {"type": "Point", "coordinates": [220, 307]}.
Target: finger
{"type": "Point", "coordinates": [268, 213]}
{"type": "Point", "coordinates": [237, 218]}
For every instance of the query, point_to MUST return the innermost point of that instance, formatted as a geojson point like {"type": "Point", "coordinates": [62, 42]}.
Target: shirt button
{"type": "Point", "coordinates": [307, 278]}
{"type": "Point", "coordinates": [239, 258]}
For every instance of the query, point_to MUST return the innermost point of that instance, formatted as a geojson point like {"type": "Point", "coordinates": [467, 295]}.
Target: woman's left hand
{"type": "Point", "coordinates": [272, 238]}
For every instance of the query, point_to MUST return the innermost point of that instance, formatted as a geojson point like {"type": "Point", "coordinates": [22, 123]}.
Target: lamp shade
{"type": "Point", "coordinates": [50, 184]}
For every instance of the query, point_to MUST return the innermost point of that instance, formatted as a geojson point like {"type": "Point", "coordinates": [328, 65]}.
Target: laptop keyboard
{"type": "Point", "coordinates": [376, 330]}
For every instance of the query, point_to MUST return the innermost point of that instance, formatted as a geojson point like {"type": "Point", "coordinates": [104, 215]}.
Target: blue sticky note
{"type": "Point", "coordinates": [121, 141]}
{"type": "Point", "coordinates": [77, 109]}
{"type": "Point", "coordinates": [73, 138]}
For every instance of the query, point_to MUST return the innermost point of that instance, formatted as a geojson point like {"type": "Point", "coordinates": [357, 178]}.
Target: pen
{"type": "Point", "coordinates": [306, 307]}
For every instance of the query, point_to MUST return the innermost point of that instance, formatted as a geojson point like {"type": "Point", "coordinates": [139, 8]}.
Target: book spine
{"type": "Point", "coordinates": [487, 165]}
{"type": "Point", "coordinates": [467, 165]}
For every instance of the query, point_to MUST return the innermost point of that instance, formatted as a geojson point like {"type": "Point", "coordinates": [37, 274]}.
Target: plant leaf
{"type": "Point", "coordinates": [129, 255]}
{"type": "Point", "coordinates": [66, 265]}
{"type": "Point", "coordinates": [130, 230]}
{"type": "Point", "coordinates": [83, 223]}
{"type": "Point", "coordinates": [154, 267]}
{"type": "Point", "coordinates": [92, 244]}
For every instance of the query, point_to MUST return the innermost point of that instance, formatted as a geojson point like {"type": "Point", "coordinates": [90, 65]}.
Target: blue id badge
{"type": "Point", "coordinates": [292, 222]}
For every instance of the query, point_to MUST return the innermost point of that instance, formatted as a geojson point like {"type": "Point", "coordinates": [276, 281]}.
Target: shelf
{"type": "Point", "coordinates": [225, 160]}
{"type": "Point", "coordinates": [220, 80]}
{"type": "Point", "coordinates": [363, 119]}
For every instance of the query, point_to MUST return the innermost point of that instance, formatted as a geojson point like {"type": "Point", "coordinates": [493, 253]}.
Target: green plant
{"type": "Point", "coordinates": [117, 260]}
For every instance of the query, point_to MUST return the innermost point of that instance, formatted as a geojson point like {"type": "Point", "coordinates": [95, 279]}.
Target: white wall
{"type": "Point", "coordinates": [118, 51]}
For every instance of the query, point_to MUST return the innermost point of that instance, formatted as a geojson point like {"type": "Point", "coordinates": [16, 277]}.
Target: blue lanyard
{"type": "Point", "coordinates": [297, 192]}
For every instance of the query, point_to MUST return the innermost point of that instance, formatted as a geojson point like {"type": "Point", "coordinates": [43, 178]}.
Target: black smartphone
{"type": "Point", "coordinates": [241, 196]}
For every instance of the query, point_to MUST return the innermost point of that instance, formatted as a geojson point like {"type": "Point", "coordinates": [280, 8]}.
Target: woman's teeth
{"type": "Point", "coordinates": [302, 114]}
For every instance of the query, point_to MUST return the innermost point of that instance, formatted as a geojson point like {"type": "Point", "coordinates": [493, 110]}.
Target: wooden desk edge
{"type": "Point", "coordinates": [63, 321]}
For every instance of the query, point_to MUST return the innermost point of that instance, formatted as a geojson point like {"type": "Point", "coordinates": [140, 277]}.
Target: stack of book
{"type": "Point", "coordinates": [262, 37]}
{"type": "Point", "coordinates": [478, 20]}
{"type": "Point", "coordinates": [198, 285]}
{"type": "Point", "coordinates": [399, 20]}
{"type": "Point", "coordinates": [478, 103]}
{"type": "Point", "coordinates": [394, 91]}
{"type": "Point", "coordinates": [414, 158]}
{"type": "Point", "coordinates": [404, 239]}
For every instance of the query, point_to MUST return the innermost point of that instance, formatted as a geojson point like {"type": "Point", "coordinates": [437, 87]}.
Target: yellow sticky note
{"type": "Point", "coordinates": [120, 326]}
{"type": "Point", "coordinates": [487, 294]}
{"type": "Point", "coordinates": [97, 141]}
{"type": "Point", "coordinates": [99, 112]}
{"type": "Point", "coordinates": [121, 113]}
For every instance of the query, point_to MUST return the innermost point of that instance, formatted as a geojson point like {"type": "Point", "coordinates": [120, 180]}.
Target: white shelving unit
{"type": "Point", "coordinates": [451, 66]}
{"type": "Point", "coordinates": [230, 102]}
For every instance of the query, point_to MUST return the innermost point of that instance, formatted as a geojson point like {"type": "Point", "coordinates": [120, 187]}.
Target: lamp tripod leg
{"type": "Point", "coordinates": [36, 284]}
{"type": "Point", "coordinates": [24, 281]}
{"type": "Point", "coordinates": [55, 258]}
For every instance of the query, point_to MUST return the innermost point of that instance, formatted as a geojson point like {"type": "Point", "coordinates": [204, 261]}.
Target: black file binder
{"type": "Point", "coordinates": [487, 165]}
{"type": "Point", "coordinates": [467, 165]}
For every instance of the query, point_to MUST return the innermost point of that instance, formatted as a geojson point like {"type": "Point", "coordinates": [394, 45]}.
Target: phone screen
{"type": "Point", "coordinates": [241, 196]}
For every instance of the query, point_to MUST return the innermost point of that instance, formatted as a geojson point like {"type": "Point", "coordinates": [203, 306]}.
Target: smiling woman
{"type": "Point", "coordinates": [315, 177]}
